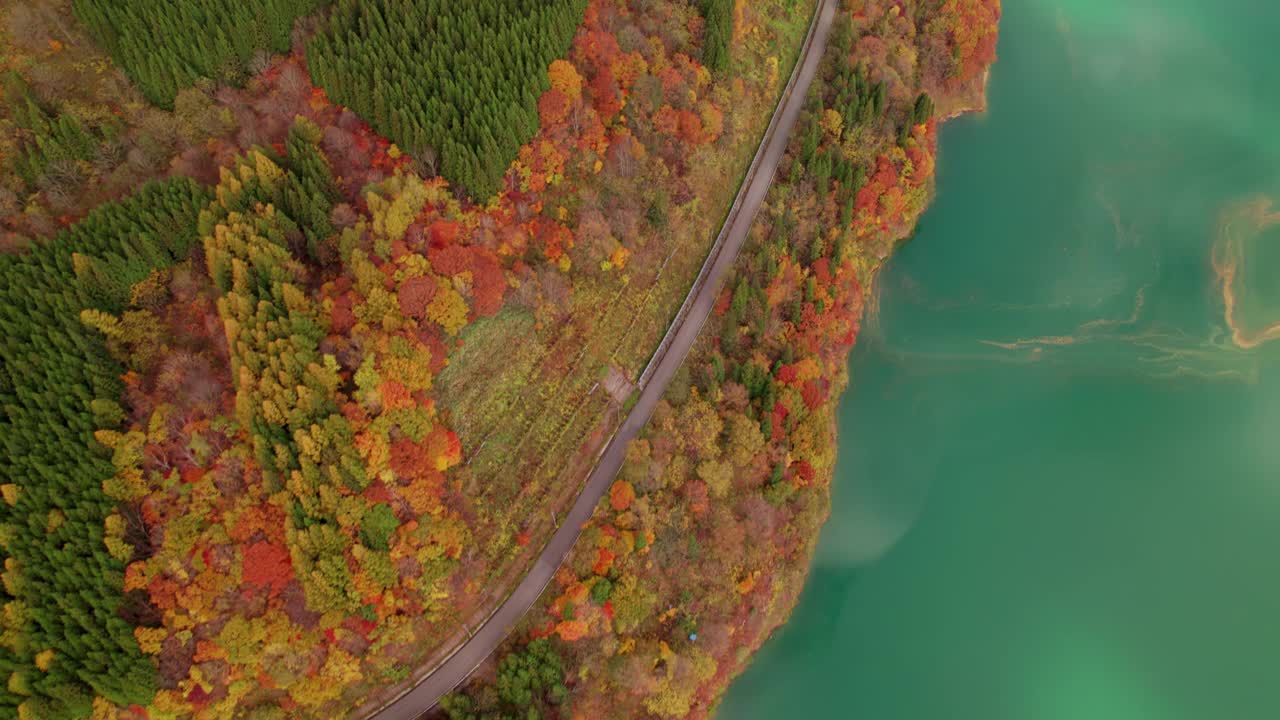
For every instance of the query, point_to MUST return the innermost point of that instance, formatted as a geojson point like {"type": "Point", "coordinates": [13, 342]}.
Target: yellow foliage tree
{"type": "Point", "coordinates": [149, 639]}
{"type": "Point", "coordinates": [565, 78]}
{"type": "Point", "coordinates": [833, 123]}
{"type": "Point", "coordinates": [448, 309]}
{"type": "Point", "coordinates": [395, 211]}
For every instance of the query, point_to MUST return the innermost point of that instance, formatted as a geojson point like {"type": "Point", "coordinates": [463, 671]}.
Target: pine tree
{"type": "Point", "coordinates": [923, 109]}
{"type": "Point", "coordinates": [167, 45]}
{"type": "Point", "coordinates": [443, 76]}
{"type": "Point", "coordinates": [69, 586]}
{"type": "Point", "coordinates": [718, 33]}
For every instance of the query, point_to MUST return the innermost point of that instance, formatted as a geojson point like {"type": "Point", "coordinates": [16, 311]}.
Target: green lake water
{"type": "Point", "coordinates": [1058, 492]}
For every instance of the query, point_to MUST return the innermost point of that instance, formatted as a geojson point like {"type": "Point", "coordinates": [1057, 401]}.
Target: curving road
{"type": "Point", "coordinates": [414, 703]}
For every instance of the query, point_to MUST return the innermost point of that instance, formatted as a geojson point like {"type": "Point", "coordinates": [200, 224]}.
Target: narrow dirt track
{"type": "Point", "coordinates": [671, 353]}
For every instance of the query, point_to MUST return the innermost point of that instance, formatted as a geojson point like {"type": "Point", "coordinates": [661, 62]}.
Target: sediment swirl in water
{"type": "Point", "coordinates": [1152, 347]}
{"type": "Point", "coordinates": [1239, 228]}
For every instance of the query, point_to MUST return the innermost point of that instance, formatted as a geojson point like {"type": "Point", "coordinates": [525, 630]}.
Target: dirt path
{"type": "Point", "coordinates": [670, 354]}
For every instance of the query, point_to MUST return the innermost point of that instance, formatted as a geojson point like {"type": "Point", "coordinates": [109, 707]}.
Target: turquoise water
{"type": "Point", "coordinates": [1058, 493]}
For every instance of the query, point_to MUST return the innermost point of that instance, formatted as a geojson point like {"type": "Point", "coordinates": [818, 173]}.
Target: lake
{"type": "Point", "coordinates": [1058, 492]}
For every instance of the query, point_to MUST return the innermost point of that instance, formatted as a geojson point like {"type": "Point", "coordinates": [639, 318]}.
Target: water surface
{"type": "Point", "coordinates": [1058, 493]}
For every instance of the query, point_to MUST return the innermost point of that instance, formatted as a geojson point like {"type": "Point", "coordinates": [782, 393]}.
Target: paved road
{"type": "Point", "coordinates": [680, 337]}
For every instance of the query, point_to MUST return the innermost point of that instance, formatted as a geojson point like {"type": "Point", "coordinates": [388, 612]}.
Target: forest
{"type": "Point", "coordinates": [165, 46]}
{"type": "Point", "coordinates": [700, 548]}
{"type": "Point", "coordinates": [456, 85]}
{"type": "Point", "coordinates": [67, 624]}
{"type": "Point", "coordinates": [261, 459]}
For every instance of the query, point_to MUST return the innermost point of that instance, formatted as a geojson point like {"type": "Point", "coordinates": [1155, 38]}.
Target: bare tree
{"type": "Point", "coordinates": [260, 63]}
{"type": "Point", "coordinates": [138, 160]}
{"type": "Point", "coordinates": [426, 158]}
{"type": "Point", "coordinates": [337, 142]}
{"type": "Point", "coordinates": [343, 216]}
{"type": "Point", "coordinates": [250, 134]}
{"type": "Point", "coordinates": [293, 84]}
{"type": "Point", "coordinates": [622, 156]}
{"type": "Point", "coordinates": [228, 96]}
{"type": "Point", "coordinates": [348, 121]}
{"type": "Point", "coordinates": [46, 83]}
{"type": "Point", "coordinates": [555, 290]}
{"type": "Point", "coordinates": [193, 383]}
{"type": "Point", "coordinates": [526, 294]}
{"type": "Point", "coordinates": [61, 182]}
{"type": "Point", "coordinates": [109, 156]}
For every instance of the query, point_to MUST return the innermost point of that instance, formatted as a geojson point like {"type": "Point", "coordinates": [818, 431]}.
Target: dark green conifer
{"type": "Point", "coordinates": [48, 411]}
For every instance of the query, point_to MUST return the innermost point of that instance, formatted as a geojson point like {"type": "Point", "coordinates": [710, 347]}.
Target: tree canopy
{"type": "Point", "coordinates": [457, 81]}
{"type": "Point", "coordinates": [166, 45]}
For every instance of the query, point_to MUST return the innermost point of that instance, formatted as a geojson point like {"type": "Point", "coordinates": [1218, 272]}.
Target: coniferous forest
{"type": "Point", "coordinates": [718, 33]}
{"type": "Point", "coordinates": [454, 83]}
{"type": "Point", "coordinates": [167, 45]}
{"type": "Point", "coordinates": [315, 315]}
{"type": "Point", "coordinates": [68, 623]}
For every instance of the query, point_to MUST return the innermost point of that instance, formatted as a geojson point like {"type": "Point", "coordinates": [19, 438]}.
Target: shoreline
{"type": "Point", "coordinates": [977, 104]}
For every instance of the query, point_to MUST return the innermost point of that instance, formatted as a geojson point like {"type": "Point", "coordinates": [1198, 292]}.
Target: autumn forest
{"type": "Point", "coordinates": [316, 315]}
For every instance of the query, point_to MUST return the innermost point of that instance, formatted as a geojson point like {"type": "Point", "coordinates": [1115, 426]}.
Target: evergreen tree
{"type": "Point", "coordinates": [284, 386]}
{"type": "Point", "coordinates": [923, 109]}
{"type": "Point", "coordinates": [46, 135]}
{"type": "Point", "coordinates": [166, 45]}
{"type": "Point", "coordinates": [63, 588]}
{"type": "Point", "coordinates": [444, 76]}
{"type": "Point", "coordinates": [718, 33]}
